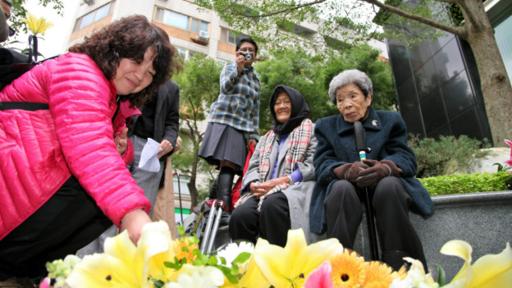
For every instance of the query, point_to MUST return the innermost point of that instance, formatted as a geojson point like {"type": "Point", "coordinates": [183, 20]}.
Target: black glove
{"type": "Point", "coordinates": [377, 171]}
{"type": "Point", "coordinates": [349, 171]}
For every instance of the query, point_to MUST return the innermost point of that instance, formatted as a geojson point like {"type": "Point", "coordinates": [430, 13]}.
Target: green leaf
{"type": "Point", "coordinates": [441, 275]}
{"type": "Point", "coordinates": [158, 283]}
{"type": "Point", "coordinates": [242, 258]}
{"type": "Point", "coordinates": [499, 166]}
{"type": "Point", "coordinates": [228, 273]}
{"type": "Point", "coordinates": [176, 265]}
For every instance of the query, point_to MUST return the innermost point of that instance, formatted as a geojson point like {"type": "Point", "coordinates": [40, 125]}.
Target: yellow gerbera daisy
{"type": "Point", "coordinates": [378, 275]}
{"type": "Point", "coordinates": [348, 270]}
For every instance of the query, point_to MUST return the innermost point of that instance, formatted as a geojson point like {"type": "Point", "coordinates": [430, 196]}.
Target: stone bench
{"type": "Point", "coordinates": [484, 220]}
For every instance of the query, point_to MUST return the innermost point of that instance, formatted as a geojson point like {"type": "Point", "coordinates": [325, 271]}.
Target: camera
{"type": "Point", "coordinates": [247, 56]}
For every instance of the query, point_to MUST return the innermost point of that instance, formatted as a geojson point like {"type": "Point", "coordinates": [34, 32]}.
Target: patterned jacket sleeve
{"type": "Point", "coordinates": [256, 118]}
{"type": "Point", "coordinates": [228, 78]}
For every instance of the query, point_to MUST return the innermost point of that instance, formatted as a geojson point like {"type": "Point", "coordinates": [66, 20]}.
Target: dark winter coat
{"type": "Point", "coordinates": [386, 136]}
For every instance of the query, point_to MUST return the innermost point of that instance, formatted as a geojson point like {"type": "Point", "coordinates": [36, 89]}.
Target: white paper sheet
{"type": "Point", "coordinates": [148, 157]}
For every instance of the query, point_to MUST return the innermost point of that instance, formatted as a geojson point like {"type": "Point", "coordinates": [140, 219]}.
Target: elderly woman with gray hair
{"type": "Point", "coordinates": [388, 173]}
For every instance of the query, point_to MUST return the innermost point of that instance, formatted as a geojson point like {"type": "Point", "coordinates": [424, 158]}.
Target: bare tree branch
{"type": "Point", "coordinates": [284, 11]}
{"type": "Point", "coordinates": [430, 22]}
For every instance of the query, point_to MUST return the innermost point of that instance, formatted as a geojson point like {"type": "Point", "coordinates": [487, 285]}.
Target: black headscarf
{"type": "Point", "coordinates": [300, 110]}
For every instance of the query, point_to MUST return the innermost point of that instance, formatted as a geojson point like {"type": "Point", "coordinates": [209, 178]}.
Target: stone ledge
{"type": "Point", "coordinates": [480, 197]}
{"type": "Point", "coordinates": [483, 219]}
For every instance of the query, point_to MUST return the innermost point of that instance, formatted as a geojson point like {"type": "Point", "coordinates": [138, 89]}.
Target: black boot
{"type": "Point", "coordinates": [224, 186]}
{"type": "Point", "coordinates": [223, 191]}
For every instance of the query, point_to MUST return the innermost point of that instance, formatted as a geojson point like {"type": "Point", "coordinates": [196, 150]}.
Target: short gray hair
{"type": "Point", "coordinates": [352, 76]}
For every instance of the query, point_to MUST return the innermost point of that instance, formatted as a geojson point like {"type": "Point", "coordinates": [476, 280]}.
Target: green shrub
{"type": "Point", "coordinates": [446, 155]}
{"type": "Point", "coordinates": [467, 183]}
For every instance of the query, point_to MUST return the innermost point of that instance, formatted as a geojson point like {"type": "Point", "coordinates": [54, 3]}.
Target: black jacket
{"type": "Point", "coordinates": [166, 116]}
{"type": "Point", "coordinates": [167, 113]}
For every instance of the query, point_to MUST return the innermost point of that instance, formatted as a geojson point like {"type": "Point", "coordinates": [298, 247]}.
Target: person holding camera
{"type": "Point", "coordinates": [233, 120]}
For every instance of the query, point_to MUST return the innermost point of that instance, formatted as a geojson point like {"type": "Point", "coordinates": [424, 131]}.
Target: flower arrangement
{"type": "Point", "coordinates": [159, 261]}
{"type": "Point", "coordinates": [509, 143]}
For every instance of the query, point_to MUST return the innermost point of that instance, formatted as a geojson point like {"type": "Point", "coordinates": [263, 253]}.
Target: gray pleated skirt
{"type": "Point", "coordinates": [223, 143]}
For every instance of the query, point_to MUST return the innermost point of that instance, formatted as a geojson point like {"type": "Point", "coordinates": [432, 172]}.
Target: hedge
{"type": "Point", "coordinates": [467, 183]}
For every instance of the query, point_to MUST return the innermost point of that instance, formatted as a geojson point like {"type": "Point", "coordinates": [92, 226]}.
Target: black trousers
{"type": "Point", "coordinates": [271, 223]}
{"type": "Point", "coordinates": [69, 220]}
{"type": "Point", "coordinates": [390, 203]}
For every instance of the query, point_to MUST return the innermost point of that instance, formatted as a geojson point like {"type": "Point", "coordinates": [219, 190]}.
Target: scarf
{"type": "Point", "coordinates": [297, 145]}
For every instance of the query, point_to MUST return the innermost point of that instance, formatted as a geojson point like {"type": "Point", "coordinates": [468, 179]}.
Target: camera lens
{"type": "Point", "coordinates": [248, 56]}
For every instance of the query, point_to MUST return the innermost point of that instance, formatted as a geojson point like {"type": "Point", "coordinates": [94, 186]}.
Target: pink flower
{"type": "Point", "coordinates": [509, 143]}
{"type": "Point", "coordinates": [320, 277]}
{"type": "Point", "coordinates": [45, 283]}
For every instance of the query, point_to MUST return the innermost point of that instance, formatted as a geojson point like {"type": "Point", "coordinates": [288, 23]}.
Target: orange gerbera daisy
{"type": "Point", "coordinates": [348, 270]}
{"type": "Point", "coordinates": [378, 275]}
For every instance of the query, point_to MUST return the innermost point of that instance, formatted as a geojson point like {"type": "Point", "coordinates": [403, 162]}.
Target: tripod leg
{"type": "Point", "coordinates": [208, 228]}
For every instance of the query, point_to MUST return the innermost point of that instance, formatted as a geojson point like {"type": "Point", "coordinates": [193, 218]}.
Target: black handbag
{"type": "Point", "coordinates": [12, 65]}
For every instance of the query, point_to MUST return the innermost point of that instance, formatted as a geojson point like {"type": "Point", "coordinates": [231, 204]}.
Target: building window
{"type": "Point", "coordinates": [93, 16]}
{"type": "Point", "coordinates": [230, 36]}
{"type": "Point", "coordinates": [186, 53]}
{"type": "Point", "coordinates": [181, 21]}
{"type": "Point", "coordinates": [182, 52]}
{"type": "Point", "coordinates": [299, 30]}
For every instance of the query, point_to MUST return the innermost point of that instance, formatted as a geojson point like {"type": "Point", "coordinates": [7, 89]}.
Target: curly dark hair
{"type": "Point", "coordinates": [130, 37]}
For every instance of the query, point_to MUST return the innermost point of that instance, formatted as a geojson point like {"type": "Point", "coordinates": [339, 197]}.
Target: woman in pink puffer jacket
{"type": "Point", "coordinates": [63, 182]}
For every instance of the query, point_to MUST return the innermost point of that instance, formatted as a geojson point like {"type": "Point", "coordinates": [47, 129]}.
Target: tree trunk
{"type": "Point", "coordinates": [496, 89]}
{"type": "Point", "coordinates": [193, 190]}
{"type": "Point", "coordinates": [192, 187]}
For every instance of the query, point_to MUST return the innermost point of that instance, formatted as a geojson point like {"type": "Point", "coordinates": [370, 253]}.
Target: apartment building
{"type": "Point", "coordinates": [192, 29]}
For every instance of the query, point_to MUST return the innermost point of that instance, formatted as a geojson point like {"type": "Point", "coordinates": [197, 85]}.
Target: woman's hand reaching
{"type": "Point", "coordinates": [121, 141]}
{"type": "Point", "coordinates": [133, 221]}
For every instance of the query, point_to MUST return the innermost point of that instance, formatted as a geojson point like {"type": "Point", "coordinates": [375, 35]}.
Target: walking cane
{"type": "Point", "coordinates": [362, 149]}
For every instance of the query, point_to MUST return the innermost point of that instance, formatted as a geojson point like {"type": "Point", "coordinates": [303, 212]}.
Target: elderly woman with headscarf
{"type": "Point", "coordinates": [280, 174]}
{"type": "Point", "coordinates": [388, 173]}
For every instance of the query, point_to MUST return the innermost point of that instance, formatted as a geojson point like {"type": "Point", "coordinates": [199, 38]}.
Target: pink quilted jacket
{"type": "Point", "coordinates": [40, 150]}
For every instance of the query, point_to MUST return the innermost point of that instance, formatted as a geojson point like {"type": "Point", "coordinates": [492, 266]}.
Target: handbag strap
{"type": "Point", "coordinates": [30, 106]}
